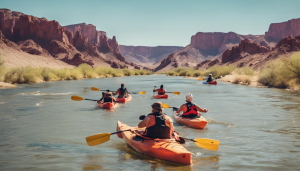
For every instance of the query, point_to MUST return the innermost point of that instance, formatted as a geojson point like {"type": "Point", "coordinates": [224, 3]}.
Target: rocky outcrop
{"type": "Point", "coordinates": [7, 21]}
{"type": "Point", "coordinates": [170, 60]}
{"type": "Point", "coordinates": [29, 46]}
{"type": "Point", "coordinates": [246, 46]}
{"type": "Point", "coordinates": [77, 60]}
{"type": "Point", "coordinates": [289, 44]}
{"type": "Point", "coordinates": [279, 30]}
{"type": "Point", "coordinates": [5, 41]}
{"type": "Point", "coordinates": [81, 43]}
{"type": "Point", "coordinates": [113, 43]}
{"type": "Point", "coordinates": [211, 43]}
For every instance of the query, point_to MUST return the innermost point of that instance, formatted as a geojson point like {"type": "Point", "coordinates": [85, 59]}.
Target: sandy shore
{"type": "Point", "coordinates": [6, 85]}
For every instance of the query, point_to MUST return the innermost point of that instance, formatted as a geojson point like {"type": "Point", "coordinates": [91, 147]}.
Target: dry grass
{"type": "Point", "coordinates": [32, 75]}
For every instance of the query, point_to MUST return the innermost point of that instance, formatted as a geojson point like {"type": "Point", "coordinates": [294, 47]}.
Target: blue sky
{"type": "Point", "coordinates": [162, 22]}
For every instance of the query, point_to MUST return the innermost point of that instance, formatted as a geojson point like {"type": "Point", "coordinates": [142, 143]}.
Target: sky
{"type": "Point", "coordinates": [162, 22]}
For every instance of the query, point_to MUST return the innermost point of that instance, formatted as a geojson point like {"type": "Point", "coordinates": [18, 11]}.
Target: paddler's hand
{"type": "Point", "coordinates": [205, 110]}
{"type": "Point", "coordinates": [142, 117]}
{"type": "Point", "coordinates": [132, 129]}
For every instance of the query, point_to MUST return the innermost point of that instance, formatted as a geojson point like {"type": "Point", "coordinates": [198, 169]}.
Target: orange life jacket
{"type": "Point", "coordinates": [191, 109]}
{"type": "Point", "coordinates": [158, 126]}
{"type": "Point", "coordinates": [161, 91]}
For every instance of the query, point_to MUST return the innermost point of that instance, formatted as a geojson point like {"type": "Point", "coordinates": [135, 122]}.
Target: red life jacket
{"type": "Point", "coordinates": [158, 127]}
{"type": "Point", "coordinates": [161, 91]}
{"type": "Point", "coordinates": [191, 109]}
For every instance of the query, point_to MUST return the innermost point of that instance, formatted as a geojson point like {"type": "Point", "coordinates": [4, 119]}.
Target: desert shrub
{"type": "Point", "coordinates": [291, 67]}
{"type": "Point", "coordinates": [76, 74]}
{"type": "Point", "coordinates": [3, 69]}
{"type": "Point", "coordinates": [21, 75]}
{"type": "Point", "coordinates": [171, 73]}
{"type": "Point", "coordinates": [218, 71]}
{"type": "Point", "coordinates": [197, 73]}
{"type": "Point", "coordinates": [244, 71]}
{"type": "Point", "coordinates": [128, 72]}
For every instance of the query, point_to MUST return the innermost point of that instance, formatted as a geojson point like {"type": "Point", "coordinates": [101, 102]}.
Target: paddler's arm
{"type": "Point", "coordinates": [180, 109]}
{"type": "Point", "coordinates": [201, 110]}
{"type": "Point", "coordinates": [144, 122]}
{"type": "Point", "coordinates": [116, 92]}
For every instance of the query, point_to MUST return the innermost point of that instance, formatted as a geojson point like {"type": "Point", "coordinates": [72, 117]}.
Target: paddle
{"type": "Point", "coordinates": [167, 106]}
{"type": "Point", "coordinates": [177, 93]}
{"type": "Point", "coordinates": [96, 89]}
{"type": "Point", "coordinates": [78, 98]}
{"type": "Point", "coordinates": [100, 138]}
{"type": "Point", "coordinates": [200, 79]}
{"type": "Point", "coordinates": [200, 142]}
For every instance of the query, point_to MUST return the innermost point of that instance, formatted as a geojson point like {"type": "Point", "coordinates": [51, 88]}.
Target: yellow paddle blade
{"type": "Point", "coordinates": [142, 92]}
{"type": "Point", "coordinates": [95, 89]}
{"type": "Point", "coordinates": [98, 139]}
{"type": "Point", "coordinates": [76, 98]}
{"type": "Point", "coordinates": [177, 93]}
{"type": "Point", "coordinates": [200, 79]}
{"type": "Point", "coordinates": [207, 143]}
{"type": "Point", "coordinates": [165, 105]}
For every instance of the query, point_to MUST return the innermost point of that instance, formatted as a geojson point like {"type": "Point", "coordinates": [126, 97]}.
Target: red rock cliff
{"type": "Point", "coordinates": [279, 30]}
{"type": "Point", "coordinates": [210, 43]}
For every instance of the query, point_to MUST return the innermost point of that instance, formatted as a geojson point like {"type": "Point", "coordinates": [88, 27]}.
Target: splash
{"type": "Point", "coordinates": [229, 125]}
{"type": "Point", "coordinates": [39, 104]}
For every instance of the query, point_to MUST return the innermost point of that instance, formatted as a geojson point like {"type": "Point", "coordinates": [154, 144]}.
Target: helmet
{"type": "Point", "coordinates": [189, 97]}
{"type": "Point", "coordinates": [210, 74]}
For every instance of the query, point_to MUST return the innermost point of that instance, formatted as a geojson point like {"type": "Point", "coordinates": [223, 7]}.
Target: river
{"type": "Point", "coordinates": [41, 128]}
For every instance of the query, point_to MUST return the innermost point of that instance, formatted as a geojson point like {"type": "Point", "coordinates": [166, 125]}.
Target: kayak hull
{"type": "Point", "coordinates": [165, 149]}
{"type": "Point", "coordinates": [165, 96]}
{"type": "Point", "coordinates": [107, 105]}
{"type": "Point", "coordinates": [198, 123]}
{"type": "Point", "coordinates": [124, 100]}
{"type": "Point", "coordinates": [212, 82]}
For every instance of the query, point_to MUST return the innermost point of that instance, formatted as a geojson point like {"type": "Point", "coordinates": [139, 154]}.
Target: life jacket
{"type": "Point", "coordinates": [122, 91]}
{"type": "Point", "coordinates": [158, 126]}
{"type": "Point", "coordinates": [107, 99]}
{"type": "Point", "coordinates": [191, 109]}
{"type": "Point", "coordinates": [161, 91]}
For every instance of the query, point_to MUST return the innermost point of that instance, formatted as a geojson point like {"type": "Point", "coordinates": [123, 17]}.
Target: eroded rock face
{"type": "Point", "coordinates": [169, 60]}
{"type": "Point", "coordinates": [211, 43]}
{"type": "Point", "coordinates": [289, 44]}
{"type": "Point", "coordinates": [4, 40]}
{"type": "Point", "coordinates": [279, 30]}
{"type": "Point", "coordinates": [29, 46]}
{"type": "Point", "coordinates": [246, 46]}
{"type": "Point", "coordinates": [77, 60]}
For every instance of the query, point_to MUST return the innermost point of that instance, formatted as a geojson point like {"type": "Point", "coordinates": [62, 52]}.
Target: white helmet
{"type": "Point", "coordinates": [189, 97]}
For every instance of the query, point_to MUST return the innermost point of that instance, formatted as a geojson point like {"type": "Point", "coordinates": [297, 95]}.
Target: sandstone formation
{"type": "Point", "coordinates": [279, 30]}
{"type": "Point", "coordinates": [81, 44]}
{"type": "Point", "coordinates": [214, 43]}
{"type": "Point", "coordinates": [289, 44]}
{"type": "Point", "coordinates": [245, 47]}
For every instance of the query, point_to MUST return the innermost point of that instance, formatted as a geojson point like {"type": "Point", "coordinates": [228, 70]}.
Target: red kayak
{"type": "Point", "coordinates": [165, 96]}
{"type": "Point", "coordinates": [107, 105]}
{"type": "Point", "coordinates": [166, 149]}
{"type": "Point", "coordinates": [212, 82]}
{"type": "Point", "coordinates": [124, 100]}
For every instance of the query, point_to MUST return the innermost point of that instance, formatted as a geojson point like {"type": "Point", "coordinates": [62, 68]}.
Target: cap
{"type": "Point", "coordinates": [157, 105]}
{"type": "Point", "coordinates": [189, 97]}
{"type": "Point", "coordinates": [210, 74]}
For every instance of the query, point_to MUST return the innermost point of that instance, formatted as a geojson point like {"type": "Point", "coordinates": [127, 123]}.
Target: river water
{"type": "Point", "coordinates": [41, 128]}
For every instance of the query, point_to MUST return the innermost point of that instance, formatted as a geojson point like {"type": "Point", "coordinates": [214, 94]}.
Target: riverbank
{"type": "Point", "coordinates": [6, 85]}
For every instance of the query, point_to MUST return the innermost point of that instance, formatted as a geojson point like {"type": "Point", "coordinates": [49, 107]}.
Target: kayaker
{"type": "Point", "coordinates": [123, 93]}
{"type": "Point", "coordinates": [190, 110]}
{"type": "Point", "coordinates": [160, 91]}
{"type": "Point", "coordinates": [209, 79]}
{"type": "Point", "coordinates": [157, 124]}
{"type": "Point", "coordinates": [109, 98]}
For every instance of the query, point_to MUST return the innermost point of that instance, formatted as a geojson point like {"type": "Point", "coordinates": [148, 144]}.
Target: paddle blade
{"type": "Point", "coordinates": [76, 98]}
{"type": "Point", "coordinates": [200, 79]}
{"type": "Point", "coordinates": [142, 92]}
{"type": "Point", "coordinates": [177, 93]}
{"type": "Point", "coordinates": [98, 139]}
{"type": "Point", "coordinates": [95, 89]}
{"type": "Point", "coordinates": [207, 143]}
{"type": "Point", "coordinates": [165, 105]}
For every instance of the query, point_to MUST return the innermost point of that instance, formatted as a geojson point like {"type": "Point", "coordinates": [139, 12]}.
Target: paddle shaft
{"type": "Point", "coordinates": [121, 131]}
{"type": "Point", "coordinates": [91, 99]}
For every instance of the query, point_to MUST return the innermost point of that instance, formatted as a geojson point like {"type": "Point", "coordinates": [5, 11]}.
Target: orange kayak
{"type": "Point", "coordinates": [166, 149]}
{"type": "Point", "coordinates": [165, 96]}
{"type": "Point", "coordinates": [107, 105]}
{"type": "Point", "coordinates": [124, 100]}
{"type": "Point", "coordinates": [198, 123]}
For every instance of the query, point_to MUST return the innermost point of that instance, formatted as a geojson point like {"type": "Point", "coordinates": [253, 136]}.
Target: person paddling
{"type": "Point", "coordinates": [123, 93]}
{"type": "Point", "coordinates": [160, 91]}
{"type": "Point", "coordinates": [209, 79]}
{"type": "Point", "coordinates": [190, 110]}
{"type": "Point", "coordinates": [157, 124]}
{"type": "Point", "coordinates": [109, 98]}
